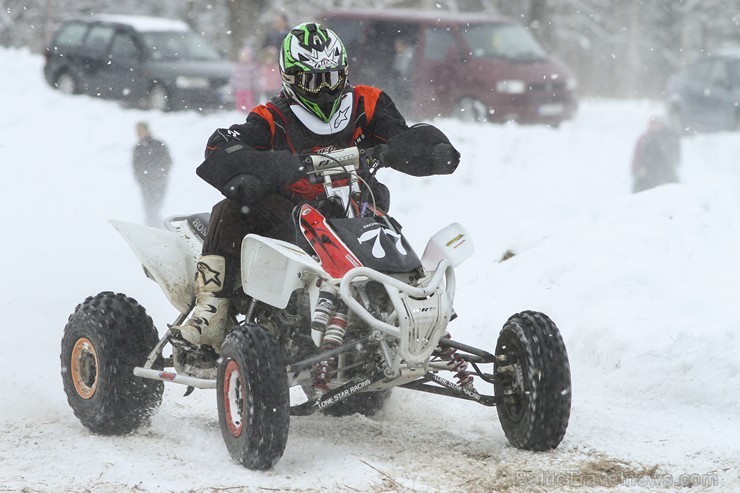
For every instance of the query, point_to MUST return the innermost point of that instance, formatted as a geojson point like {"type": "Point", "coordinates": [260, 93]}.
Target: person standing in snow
{"type": "Point", "coordinates": [278, 31]}
{"type": "Point", "coordinates": [657, 156]}
{"type": "Point", "coordinates": [152, 163]}
{"type": "Point", "coordinates": [270, 81]}
{"type": "Point", "coordinates": [259, 165]}
{"type": "Point", "coordinates": [245, 81]}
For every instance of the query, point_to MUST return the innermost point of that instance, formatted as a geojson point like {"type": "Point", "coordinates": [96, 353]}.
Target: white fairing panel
{"type": "Point", "coordinates": [272, 269]}
{"type": "Point", "coordinates": [452, 243]}
{"type": "Point", "coordinates": [169, 258]}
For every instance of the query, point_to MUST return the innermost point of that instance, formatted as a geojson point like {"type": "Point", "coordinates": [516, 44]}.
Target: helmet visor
{"type": "Point", "coordinates": [313, 82]}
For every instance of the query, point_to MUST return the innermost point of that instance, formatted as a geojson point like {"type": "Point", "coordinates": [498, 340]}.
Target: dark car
{"type": "Point", "coordinates": [469, 66]}
{"type": "Point", "coordinates": [153, 62]}
{"type": "Point", "coordinates": [705, 96]}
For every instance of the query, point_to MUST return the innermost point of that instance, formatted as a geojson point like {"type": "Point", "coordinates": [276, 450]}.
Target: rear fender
{"type": "Point", "coordinates": [169, 258]}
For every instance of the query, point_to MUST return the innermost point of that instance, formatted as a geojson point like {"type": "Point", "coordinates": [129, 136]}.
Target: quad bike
{"type": "Point", "coordinates": [329, 325]}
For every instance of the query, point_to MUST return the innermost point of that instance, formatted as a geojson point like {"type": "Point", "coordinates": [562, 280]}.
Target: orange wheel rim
{"type": "Point", "coordinates": [84, 368]}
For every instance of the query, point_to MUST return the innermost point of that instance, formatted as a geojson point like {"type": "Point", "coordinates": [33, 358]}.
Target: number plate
{"type": "Point", "coordinates": [551, 109]}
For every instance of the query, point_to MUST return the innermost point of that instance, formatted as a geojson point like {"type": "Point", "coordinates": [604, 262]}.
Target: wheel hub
{"type": "Point", "coordinates": [84, 368]}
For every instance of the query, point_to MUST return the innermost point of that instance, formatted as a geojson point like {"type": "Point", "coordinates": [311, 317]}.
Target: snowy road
{"type": "Point", "coordinates": [643, 287]}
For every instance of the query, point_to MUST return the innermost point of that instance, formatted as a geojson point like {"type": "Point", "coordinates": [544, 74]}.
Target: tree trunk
{"type": "Point", "coordinates": [539, 20]}
{"type": "Point", "coordinates": [244, 20]}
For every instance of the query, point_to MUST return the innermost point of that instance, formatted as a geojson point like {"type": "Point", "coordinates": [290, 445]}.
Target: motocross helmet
{"type": "Point", "coordinates": [313, 67]}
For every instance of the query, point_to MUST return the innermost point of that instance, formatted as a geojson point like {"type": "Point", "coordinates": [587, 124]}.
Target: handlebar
{"type": "Point", "coordinates": [341, 162]}
{"type": "Point", "coordinates": [348, 164]}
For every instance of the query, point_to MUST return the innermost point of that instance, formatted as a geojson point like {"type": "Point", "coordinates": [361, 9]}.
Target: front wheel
{"type": "Point", "coordinates": [533, 392]}
{"type": "Point", "coordinates": [67, 84]}
{"type": "Point", "coordinates": [472, 110]}
{"type": "Point", "coordinates": [158, 98]}
{"type": "Point", "coordinates": [105, 338]}
{"type": "Point", "coordinates": [253, 397]}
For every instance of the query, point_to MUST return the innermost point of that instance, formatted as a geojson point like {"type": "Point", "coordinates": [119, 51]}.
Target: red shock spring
{"type": "Point", "coordinates": [456, 364]}
{"type": "Point", "coordinates": [333, 338]}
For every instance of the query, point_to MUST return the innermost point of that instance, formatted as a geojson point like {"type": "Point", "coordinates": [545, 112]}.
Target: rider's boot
{"type": "Point", "coordinates": [208, 322]}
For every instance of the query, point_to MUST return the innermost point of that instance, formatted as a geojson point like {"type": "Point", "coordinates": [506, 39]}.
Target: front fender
{"type": "Point", "coordinates": [272, 269]}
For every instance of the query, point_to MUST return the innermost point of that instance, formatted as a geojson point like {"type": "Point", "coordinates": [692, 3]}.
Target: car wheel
{"type": "Point", "coordinates": [158, 98]}
{"type": "Point", "coordinates": [676, 121]}
{"type": "Point", "coordinates": [67, 84]}
{"type": "Point", "coordinates": [472, 110]}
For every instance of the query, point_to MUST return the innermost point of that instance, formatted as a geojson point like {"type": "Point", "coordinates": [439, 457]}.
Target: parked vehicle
{"type": "Point", "coordinates": [153, 62]}
{"type": "Point", "coordinates": [471, 67]}
{"type": "Point", "coordinates": [705, 96]}
{"type": "Point", "coordinates": [329, 324]}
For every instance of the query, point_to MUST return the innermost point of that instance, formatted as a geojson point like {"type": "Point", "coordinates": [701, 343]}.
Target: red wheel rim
{"type": "Point", "coordinates": [233, 398]}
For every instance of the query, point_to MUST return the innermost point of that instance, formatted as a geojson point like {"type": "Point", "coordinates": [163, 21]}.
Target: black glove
{"type": "Point", "coordinates": [373, 157]}
{"type": "Point", "coordinates": [422, 150]}
{"type": "Point", "coordinates": [246, 189]}
{"type": "Point", "coordinates": [445, 159]}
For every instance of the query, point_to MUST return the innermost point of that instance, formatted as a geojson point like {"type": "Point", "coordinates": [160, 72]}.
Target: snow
{"type": "Point", "coordinates": [643, 287]}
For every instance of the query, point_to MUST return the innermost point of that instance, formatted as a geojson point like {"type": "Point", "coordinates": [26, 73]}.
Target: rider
{"type": "Point", "coordinates": [258, 165]}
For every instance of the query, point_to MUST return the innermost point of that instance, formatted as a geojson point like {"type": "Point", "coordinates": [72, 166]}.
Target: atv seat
{"type": "Point", "coordinates": [198, 223]}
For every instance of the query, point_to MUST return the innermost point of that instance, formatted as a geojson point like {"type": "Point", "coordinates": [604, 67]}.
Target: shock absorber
{"type": "Point", "coordinates": [456, 364]}
{"type": "Point", "coordinates": [322, 313]}
{"type": "Point", "coordinates": [325, 370]}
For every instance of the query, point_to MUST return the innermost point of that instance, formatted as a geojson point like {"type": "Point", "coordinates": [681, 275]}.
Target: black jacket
{"type": "Point", "coordinates": [269, 143]}
{"type": "Point", "coordinates": [151, 160]}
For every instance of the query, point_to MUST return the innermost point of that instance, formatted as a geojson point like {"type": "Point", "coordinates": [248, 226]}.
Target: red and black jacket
{"type": "Point", "coordinates": [269, 143]}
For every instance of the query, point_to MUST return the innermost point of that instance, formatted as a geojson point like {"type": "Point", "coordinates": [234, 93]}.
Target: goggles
{"type": "Point", "coordinates": [315, 81]}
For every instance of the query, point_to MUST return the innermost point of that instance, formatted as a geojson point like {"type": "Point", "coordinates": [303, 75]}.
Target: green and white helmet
{"type": "Point", "coordinates": [313, 66]}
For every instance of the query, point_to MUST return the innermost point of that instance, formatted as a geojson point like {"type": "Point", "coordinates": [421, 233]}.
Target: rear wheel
{"type": "Point", "coordinates": [105, 338]}
{"type": "Point", "coordinates": [158, 98]}
{"type": "Point", "coordinates": [253, 397]}
{"type": "Point", "coordinates": [534, 390]}
{"type": "Point", "coordinates": [676, 120]}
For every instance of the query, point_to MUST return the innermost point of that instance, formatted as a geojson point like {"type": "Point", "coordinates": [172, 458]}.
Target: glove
{"type": "Point", "coordinates": [422, 150]}
{"type": "Point", "coordinates": [373, 157]}
{"type": "Point", "coordinates": [246, 189]}
{"type": "Point", "coordinates": [445, 159]}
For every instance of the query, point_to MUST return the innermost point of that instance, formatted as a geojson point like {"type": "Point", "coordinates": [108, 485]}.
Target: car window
{"type": "Point", "coordinates": [70, 34]}
{"type": "Point", "coordinates": [98, 40]}
{"type": "Point", "coordinates": [180, 45]}
{"type": "Point", "coordinates": [437, 42]}
{"type": "Point", "coordinates": [502, 40]}
{"type": "Point", "coordinates": [123, 47]}
{"type": "Point", "coordinates": [733, 69]}
{"type": "Point", "coordinates": [350, 31]}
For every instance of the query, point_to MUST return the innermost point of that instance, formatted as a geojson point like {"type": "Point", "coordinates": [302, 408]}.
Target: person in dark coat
{"type": "Point", "coordinates": [277, 33]}
{"type": "Point", "coordinates": [152, 163]}
{"type": "Point", "coordinates": [657, 156]}
{"type": "Point", "coordinates": [259, 165]}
